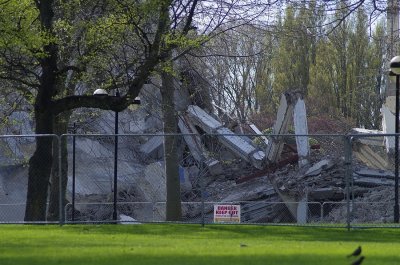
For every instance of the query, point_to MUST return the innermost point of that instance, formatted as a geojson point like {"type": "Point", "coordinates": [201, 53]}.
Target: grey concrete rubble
{"type": "Point", "coordinates": [153, 148]}
{"type": "Point", "coordinates": [374, 206]}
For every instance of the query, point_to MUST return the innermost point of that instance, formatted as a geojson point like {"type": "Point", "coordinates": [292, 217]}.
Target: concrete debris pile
{"type": "Point", "coordinates": [275, 181]}
{"type": "Point", "coordinates": [272, 177]}
{"type": "Point", "coordinates": [375, 206]}
{"type": "Point", "coordinates": [322, 181]}
{"type": "Point", "coordinates": [218, 159]}
{"type": "Point", "coordinates": [370, 190]}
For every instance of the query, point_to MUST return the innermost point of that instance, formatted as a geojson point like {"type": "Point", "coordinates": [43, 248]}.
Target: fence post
{"type": "Point", "coordinates": [348, 174]}
{"type": "Point", "coordinates": [73, 171]}
{"type": "Point", "coordinates": [61, 212]}
{"type": "Point", "coordinates": [202, 191]}
{"type": "Point", "coordinates": [322, 212]}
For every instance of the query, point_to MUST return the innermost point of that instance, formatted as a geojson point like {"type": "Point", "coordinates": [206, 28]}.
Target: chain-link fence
{"type": "Point", "coordinates": [26, 169]}
{"type": "Point", "coordinates": [340, 180]}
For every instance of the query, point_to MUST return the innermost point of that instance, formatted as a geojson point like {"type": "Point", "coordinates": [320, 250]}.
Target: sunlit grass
{"type": "Point", "coordinates": [192, 244]}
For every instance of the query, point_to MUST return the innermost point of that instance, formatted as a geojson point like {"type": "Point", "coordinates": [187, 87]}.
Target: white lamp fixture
{"type": "Point", "coordinates": [100, 92]}
{"type": "Point", "coordinates": [395, 65]}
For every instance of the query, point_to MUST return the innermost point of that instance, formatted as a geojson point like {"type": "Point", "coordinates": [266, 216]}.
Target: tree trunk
{"type": "Point", "coordinates": [39, 169]}
{"type": "Point", "coordinates": [41, 162]}
{"type": "Point", "coordinates": [173, 207]}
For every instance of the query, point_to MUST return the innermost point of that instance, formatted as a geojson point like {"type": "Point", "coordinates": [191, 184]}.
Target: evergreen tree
{"type": "Point", "coordinates": [296, 49]}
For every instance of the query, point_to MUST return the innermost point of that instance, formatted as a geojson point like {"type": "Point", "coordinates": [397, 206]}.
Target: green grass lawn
{"type": "Point", "coordinates": [191, 244]}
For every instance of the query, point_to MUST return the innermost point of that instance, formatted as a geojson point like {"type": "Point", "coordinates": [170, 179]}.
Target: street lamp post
{"type": "Point", "coordinates": [395, 69]}
{"type": "Point", "coordinates": [102, 92]}
{"type": "Point", "coordinates": [73, 171]}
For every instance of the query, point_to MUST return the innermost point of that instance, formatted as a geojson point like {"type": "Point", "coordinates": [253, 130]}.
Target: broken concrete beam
{"type": "Point", "coordinates": [372, 140]}
{"type": "Point", "coordinates": [301, 128]}
{"type": "Point", "coordinates": [203, 119]}
{"type": "Point", "coordinates": [237, 144]}
{"type": "Point", "coordinates": [372, 182]}
{"type": "Point", "coordinates": [317, 168]}
{"type": "Point", "coordinates": [257, 131]}
{"type": "Point", "coordinates": [283, 117]}
{"type": "Point", "coordinates": [153, 148]}
{"type": "Point", "coordinates": [241, 147]}
{"type": "Point", "coordinates": [377, 173]}
{"type": "Point", "coordinates": [198, 151]}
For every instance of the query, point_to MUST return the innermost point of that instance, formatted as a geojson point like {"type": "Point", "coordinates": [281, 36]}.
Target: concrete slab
{"type": "Point", "coordinates": [301, 128]}
{"type": "Point", "coordinates": [317, 168]}
{"type": "Point", "coordinates": [283, 117]}
{"type": "Point", "coordinates": [153, 148]}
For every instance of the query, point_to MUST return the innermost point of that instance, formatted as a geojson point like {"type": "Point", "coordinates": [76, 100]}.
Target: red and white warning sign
{"type": "Point", "coordinates": [226, 213]}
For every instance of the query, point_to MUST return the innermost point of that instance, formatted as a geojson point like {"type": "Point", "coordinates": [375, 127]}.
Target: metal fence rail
{"type": "Point", "coordinates": [346, 180]}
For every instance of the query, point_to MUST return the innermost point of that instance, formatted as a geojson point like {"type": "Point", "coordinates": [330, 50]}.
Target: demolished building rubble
{"type": "Point", "coordinates": [236, 184]}
{"type": "Point", "coordinates": [283, 179]}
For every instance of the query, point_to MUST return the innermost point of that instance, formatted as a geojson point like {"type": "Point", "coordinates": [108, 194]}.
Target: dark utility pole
{"type": "Point", "coordinates": [115, 217]}
{"type": "Point", "coordinates": [395, 70]}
